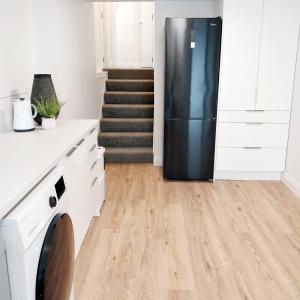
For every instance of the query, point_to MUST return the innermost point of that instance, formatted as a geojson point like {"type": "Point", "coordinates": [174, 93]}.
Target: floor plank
{"type": "Point", "coordinates": [190, 240]}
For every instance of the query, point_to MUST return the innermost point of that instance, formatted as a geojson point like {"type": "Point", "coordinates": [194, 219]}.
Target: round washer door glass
{"type": "Point", "coordinates": [56, 264]}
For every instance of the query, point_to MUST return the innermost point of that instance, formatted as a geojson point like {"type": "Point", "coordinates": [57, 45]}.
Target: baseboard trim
{"type": "Point", "coordinates": [158, 161]}
{"type": "Point", "coordinates": [291, 182]}
{"type": "Point", "coordinates": [241, 175]}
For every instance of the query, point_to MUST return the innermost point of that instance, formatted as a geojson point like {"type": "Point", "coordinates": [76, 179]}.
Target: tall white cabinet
{"type": "Point", "coordinates": [259, 50]}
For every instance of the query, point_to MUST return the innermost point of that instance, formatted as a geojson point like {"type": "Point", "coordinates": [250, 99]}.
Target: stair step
{"type": "Point", "coordinates": [117, 73]}
{"type": "Point", "coordinates": [129, 97]}
{"type": "Point", "coordinates": [126, 125]}
{"type": "Point", "coordinates": [127, 111]}
{"type": "Point", "coordinates": [125, 139]}
{"type": "Point", "coordinates": [130, 85]}
{"type": "Point", "coordinates": [129, 155]}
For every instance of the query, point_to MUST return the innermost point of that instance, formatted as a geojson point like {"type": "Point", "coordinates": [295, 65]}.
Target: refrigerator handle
{"type": "Point", "coordinates": [193, 39]}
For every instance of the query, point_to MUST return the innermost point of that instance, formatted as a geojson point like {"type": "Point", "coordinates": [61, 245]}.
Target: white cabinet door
{"type": "Point", "coordinates": [280, 31]}
{"type": "Point", "coordinates": [240, 54]}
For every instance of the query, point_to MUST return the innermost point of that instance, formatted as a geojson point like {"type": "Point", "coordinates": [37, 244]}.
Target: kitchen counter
{"type": "Point", "coordinates": [25, 158]}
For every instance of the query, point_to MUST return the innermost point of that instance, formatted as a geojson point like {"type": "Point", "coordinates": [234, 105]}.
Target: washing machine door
{"type": "Point", "coordinates": [56, 263]}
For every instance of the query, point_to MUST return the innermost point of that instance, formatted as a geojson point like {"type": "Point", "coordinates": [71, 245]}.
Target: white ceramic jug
{"type": "Point", "coordinates": [23, 118]}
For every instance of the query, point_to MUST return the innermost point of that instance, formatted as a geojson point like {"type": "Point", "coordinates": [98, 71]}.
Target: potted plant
{"type": "Point", "coordinates": [49, 110]}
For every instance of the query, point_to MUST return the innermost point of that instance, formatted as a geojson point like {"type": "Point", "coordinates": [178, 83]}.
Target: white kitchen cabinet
{"type": "Point", "coordinates": [240, 54]}
{"type": "Point", "coordinates": [259, 50]}
{"type": "Point", "coordinates": [256, 87]}
{"type": "Point", "coordinates": [278, 53]}
{"type": "Point", "coordinates": [82, 174]}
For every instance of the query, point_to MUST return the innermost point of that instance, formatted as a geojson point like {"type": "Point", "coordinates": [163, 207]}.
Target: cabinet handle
{"type": "Point", "coordinates": [252, 148]}
{"type": "Point", "coordinates": [92, 130]}
{"type": "Point", "coordinates": [80, 142]}
{"type": "Point", "coordinates": [94, 181]}
{"type": "Point", "coordinates": [254, 110]}
{"type": "Point", "coordinates": [93, 164]}
{"type": "Point", "coordinates": [254, 123]}
{"type": "Point", "coordinates": [93, 147]}
{"type": "Point", "coordinates": [71, 152]}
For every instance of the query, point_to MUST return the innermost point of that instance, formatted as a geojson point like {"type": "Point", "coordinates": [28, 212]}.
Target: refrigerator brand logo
{"type": "Point", "coordinates": [213, 24]}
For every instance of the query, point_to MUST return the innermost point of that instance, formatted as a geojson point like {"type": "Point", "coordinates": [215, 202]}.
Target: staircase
{"type": "Point", "coordinates": [126, 128]}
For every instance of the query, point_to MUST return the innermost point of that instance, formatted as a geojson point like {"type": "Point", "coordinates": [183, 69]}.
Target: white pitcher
{"type": "Point", "coordinates": [23, 118]}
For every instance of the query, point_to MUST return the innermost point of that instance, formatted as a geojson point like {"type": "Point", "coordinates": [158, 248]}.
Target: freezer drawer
{"type": "Point", "coordinates": [189, 149]}
{"type": "Point", "coordinates": [251, 159]}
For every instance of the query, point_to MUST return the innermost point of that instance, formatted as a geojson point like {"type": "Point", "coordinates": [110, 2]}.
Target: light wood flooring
{"type": "Point", "coordinates": [190, 240]}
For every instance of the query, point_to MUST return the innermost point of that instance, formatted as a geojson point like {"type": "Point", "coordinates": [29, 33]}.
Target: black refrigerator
{"type": "Point", "coordinates": [192, 56]}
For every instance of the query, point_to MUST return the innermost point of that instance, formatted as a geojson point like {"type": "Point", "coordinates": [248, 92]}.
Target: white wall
{"type": "Point", "coordinates": [291, 176]}
{"type": "Point", "coordinates": [49, 36]}
{"type": "Point", "coordinates": [163, 10]}
{"type": "Point", "coordinates": [17, 61]}
{"type": "Point", "coordinates": [65, 43]}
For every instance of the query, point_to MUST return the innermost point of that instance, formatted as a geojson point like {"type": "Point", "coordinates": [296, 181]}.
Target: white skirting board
{"type": "Point", "coordinates": [158, 161]}
{"type": "Point", "coordinates": [291, 182]}
{"type": "Point", "coordinates": [240, 175]}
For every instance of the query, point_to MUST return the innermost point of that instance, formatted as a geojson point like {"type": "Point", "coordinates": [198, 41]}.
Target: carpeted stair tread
{"type": "Point", "coordinates": [129, 155]}
{"type": "Point", "coordinates": [127, 110]}
{"type": "Point", "coordinates": [123, 73]}
{"type": "Point", "coordinates": [126, 124]}
{"type": "Point", "coordinates": [125, 139]}
{"type": "Point", "coordinates": [127, 116]}
{"type": "Point", "coordinates": [129, 97]}
{"type": "Point", "coordinates": [139, 85]}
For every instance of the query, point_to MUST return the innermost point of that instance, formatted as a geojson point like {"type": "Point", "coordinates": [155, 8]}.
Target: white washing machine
{"type": "Point", "coordinates": [39, 239]}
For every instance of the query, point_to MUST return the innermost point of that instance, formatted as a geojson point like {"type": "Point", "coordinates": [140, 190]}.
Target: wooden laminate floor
{"type": "Point", "coordinates": [190, 240]}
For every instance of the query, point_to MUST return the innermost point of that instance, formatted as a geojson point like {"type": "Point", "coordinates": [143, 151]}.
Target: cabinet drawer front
{"type": "Point", "coordinates": [279, 117]}
{"type": "Point", "coordinates": [252, 135]}
{"type": "Point", "coordinates": [240, 159]}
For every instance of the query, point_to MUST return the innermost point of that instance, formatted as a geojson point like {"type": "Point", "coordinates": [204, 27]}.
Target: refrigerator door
{"type": "Point", "coordinates": [189, 149]}
{"type": "Point", "coordinates": [192, 68]}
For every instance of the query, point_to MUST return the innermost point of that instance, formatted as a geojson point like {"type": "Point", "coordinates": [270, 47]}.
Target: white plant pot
{"type": "Point", "coordinates": [48, 123]}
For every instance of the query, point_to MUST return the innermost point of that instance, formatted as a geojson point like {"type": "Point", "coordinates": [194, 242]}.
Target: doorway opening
{"type": "Point", "coordinates": [125, 34]}
{"type": "Point", "coordinates": [124, 40]}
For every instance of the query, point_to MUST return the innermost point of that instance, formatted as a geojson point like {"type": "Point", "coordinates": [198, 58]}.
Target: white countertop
{"type": "Point", "coordinates": [25, 158]}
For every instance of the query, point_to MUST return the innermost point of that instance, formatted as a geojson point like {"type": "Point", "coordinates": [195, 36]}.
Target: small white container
{"type": "Point", "coordinates": [48, 123]}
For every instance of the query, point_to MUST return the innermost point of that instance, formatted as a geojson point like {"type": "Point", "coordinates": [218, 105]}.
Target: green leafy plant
{"type": "Point", "coordinates": [48, 107]}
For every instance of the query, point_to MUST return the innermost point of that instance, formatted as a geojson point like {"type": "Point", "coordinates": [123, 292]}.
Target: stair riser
{"type": "Point", "coordinates": [130, 86]}
{"type": "Point", "coordinates": [126, 126]}
{"type": "Point", "coordinates": [126, 158]}
{"type": "Point", "coordinates": [130, 74]}
{"type": "Point", "coordinates": [127, 113]}
{"type": "Point", "coordinates": [128, 99]}
{"type": "Point", "coordinates": [125, 141]}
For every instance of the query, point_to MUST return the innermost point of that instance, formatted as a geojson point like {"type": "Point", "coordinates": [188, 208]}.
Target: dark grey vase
{"type": "Point", "coordinates": [42, 87]}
